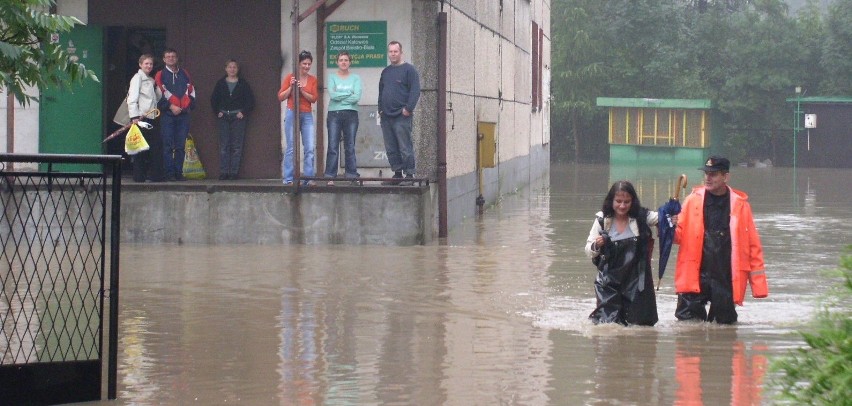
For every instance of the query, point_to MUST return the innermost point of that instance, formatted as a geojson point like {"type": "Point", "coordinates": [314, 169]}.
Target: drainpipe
{"type": "Point", "coordinates": [442, 124]}
{"type": "Point", "coordinates": [480, 200]}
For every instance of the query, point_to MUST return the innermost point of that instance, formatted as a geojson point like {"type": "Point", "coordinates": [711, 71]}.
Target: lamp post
{"type": "Point", "coordinates": [796, 129]}
{"type": "Point", "coordinates": [797, 124]}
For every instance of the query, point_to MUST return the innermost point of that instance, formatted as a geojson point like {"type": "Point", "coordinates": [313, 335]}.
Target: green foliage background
{"type": "Point", "coordinates": [745, 55]}
{"type": "Point", "coordinates": [27, 58]}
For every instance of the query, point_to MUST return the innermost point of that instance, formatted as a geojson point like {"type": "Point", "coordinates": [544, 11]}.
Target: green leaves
{"type": "Point", "coordinates": [27, 58]}
{"type": "Point", "coordinates": [821, 372]}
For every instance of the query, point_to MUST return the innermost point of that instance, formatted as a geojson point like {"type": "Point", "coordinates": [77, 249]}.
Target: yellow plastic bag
{"type": "Point", "coordinates": [192, 167]}
{"type": "Point", "coordinates": [135, 142]}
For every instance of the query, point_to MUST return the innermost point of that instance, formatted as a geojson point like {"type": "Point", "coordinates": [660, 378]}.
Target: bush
{"type": "Point", "coordinates": [821, 372]}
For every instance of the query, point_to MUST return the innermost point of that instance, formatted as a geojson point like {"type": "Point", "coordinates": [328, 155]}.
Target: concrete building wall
{"type": "Point", "coordinates": [490, 80]}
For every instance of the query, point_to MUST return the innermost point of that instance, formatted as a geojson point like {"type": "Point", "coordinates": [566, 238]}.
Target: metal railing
{"type": "Point", "coordinates": [53, 235]}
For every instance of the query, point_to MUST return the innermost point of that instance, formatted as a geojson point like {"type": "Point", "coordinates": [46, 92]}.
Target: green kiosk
{"type": "Point", "coordinates": [679, 132]}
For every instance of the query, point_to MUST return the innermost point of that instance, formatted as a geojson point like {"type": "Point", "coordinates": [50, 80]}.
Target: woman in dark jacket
{"type": "Point", "coordinates": [232, 101]}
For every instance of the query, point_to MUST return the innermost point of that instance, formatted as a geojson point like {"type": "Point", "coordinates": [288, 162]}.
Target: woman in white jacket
{"type": "Point", "coordinates": [620, 242]}
{"type": "Point", "coordinates": [142, 97]}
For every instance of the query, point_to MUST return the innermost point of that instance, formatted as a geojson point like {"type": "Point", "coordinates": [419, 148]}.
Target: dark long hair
{"type": "Point", "coordinates": [626, 187]}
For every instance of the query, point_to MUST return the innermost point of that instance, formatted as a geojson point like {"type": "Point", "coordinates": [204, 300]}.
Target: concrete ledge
{"type": "Point", "coordinates": [267, 212]}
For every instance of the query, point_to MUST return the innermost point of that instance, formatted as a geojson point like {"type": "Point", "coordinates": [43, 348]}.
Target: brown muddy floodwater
{"type": "Point", "coordinates": [495, 316]}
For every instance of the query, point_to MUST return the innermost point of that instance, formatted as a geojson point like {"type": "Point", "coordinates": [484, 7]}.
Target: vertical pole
{"type": "Point", "coordinates": [114, 240]}
{"type": "Point", "coordinates": [297, 130]}
{"type": "Point", "coordinates": [319, 132]}
{"type": "Point", "coordinates": [10, 126]}
{"type": "Point", "coordinates": [796, 124]}
{"type": "Point", "coordinates": [442, 125]}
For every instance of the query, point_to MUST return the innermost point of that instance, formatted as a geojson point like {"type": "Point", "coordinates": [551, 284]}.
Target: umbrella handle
{"type": "Point", "coordinates": [681, 184]}
{"type": "Point", "coordinates": [151, 114]}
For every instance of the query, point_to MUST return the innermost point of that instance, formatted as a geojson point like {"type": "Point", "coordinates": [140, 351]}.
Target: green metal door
{"type": "Point", "coordinates": [71, 119]}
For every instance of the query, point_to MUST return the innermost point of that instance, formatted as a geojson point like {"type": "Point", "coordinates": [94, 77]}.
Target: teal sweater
{"type": "Point", "coordinates": [344, 93]}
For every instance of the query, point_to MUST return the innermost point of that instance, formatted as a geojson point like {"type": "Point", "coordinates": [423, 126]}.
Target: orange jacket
{"type": "Point", "coordinates": [311, 87]}
{"type": "Point", "coordinates": [746, 251]}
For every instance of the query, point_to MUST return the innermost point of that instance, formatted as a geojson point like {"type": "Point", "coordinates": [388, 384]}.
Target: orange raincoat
{"type": "Point", "coordinates": [746, 251]}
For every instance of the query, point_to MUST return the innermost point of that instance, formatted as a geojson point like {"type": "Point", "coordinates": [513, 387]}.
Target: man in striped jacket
{"type": "Point", "coordinates": [178, 99]}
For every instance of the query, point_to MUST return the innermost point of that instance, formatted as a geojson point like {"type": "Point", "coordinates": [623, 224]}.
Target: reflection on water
{"type": "Point", "coordinates": [497, 315]}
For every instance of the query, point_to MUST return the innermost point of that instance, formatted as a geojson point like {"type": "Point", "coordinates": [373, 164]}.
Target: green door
{"type": "Point", "coordinates": [71, 120]}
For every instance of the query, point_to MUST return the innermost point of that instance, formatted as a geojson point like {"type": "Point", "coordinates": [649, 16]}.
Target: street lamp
{"type": "Point", "coordinates": [796, 124]}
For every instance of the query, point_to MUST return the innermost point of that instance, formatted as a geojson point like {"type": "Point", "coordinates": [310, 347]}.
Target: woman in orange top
{"type": "Point", "coordinates": [308, 93]}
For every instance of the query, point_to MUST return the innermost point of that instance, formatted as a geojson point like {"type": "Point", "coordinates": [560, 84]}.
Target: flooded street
{"type": "Point", "coordinates": [496, 316]}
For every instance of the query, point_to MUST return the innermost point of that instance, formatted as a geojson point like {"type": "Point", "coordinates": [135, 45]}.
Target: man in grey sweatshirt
{"type": "Point", "coordinates": [399, 90]}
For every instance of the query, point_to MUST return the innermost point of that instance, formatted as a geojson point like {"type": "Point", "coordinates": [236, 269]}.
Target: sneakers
{"type": "Point", "coordinates": [409, 180]}
{"type": "Point", "coordinates": [330, 183]}
{"type": "Point", "coordinates": [395, 179]}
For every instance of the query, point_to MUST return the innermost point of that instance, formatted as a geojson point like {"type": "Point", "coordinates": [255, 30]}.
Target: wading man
{"type": "Point", "coordinates": [720, 251]}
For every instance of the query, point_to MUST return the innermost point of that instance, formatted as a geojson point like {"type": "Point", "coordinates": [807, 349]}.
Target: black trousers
{"type": "Point", "coordinates": [149, 164]}
{"type": "Point", "coordinates": [716, 285]}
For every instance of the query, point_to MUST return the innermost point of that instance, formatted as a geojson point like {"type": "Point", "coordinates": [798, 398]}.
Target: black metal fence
{"type": "Point", "coordinates": [59, 226]}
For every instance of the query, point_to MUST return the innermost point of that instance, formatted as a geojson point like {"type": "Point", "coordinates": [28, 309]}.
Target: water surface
{"type": "Point", "coordinates": [494, 315]}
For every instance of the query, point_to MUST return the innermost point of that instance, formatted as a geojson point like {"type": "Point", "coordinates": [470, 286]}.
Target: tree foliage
{"type": "Point", "coordinates": [745, 55]}
{"type": "Point", "coordinates": [27, 56]}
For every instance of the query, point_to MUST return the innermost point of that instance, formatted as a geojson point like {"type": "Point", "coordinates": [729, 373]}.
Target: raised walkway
{"type": "Point", "coordinates": [268, 212]}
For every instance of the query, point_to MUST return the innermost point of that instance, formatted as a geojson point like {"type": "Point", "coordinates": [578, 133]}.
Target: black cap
{"type": "Point", "coordinates": [716, 163]}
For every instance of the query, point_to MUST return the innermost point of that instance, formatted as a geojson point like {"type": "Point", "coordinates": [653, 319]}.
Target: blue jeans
{"type": "Point", "coordinates": [232, 133]}
{"type": "Point", "coordinates": [396, 132]}
{"type": "Point", "coordinates": [343, 122]}
{"type": "Point", "coordinates": [174, 130]}
{"type": "Point", "coordinates": [306, 125]}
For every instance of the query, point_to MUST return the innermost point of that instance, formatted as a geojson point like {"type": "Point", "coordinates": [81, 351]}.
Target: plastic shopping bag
{"type": "Point", "coordinates": [135, 143]}
{"type": "Point", "coordinates": [192, 167]}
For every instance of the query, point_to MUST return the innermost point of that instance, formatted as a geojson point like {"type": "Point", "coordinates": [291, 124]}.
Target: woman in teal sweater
{"type": "Point", "coordinates": [344, 89]}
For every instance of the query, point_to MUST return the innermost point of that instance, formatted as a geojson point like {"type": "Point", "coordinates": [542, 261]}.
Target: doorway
{"type": "Point", "coordinates": [124, 46]}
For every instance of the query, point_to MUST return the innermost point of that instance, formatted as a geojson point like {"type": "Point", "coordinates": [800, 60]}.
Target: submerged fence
{"type": "Point", "coordinates": [59, 225]}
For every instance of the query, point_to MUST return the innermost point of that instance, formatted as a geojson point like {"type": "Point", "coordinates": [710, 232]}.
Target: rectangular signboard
{"type": "Point", "coordinates": [366, 42]}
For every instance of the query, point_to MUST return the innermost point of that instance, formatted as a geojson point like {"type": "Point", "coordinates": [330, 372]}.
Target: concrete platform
{"type": "Point", "coordinates": [269, 212]}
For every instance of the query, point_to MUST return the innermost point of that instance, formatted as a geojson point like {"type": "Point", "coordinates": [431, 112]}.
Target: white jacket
{"type": "Point", "coordinates": [592, 252]}
{"type": "Point", "coordinates": [142, 95]}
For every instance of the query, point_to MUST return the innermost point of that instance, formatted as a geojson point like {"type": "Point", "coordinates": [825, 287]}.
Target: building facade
{"type": "Point", "coordinates": [484, 69]}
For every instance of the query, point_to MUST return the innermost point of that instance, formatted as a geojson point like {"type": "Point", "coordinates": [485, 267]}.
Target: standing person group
{"type": "Point", "coordinates": [399, 91]}
{"type": "Point", "coordinates": [232, 101]}
{"type": "Point", "coordinates": [720, 253]}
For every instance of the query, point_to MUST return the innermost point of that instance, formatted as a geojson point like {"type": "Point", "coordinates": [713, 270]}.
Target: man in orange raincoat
{"type": "Point", "coordinates": [720, 251]}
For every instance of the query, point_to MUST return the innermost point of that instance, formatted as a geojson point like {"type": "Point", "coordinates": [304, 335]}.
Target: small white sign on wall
{"type": "Point", "coordinates": [810, 120]}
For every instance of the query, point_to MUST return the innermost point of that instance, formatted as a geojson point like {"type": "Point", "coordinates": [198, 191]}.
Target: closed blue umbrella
{"type": "Point", "coordinates": [665, 228]}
